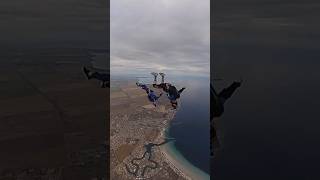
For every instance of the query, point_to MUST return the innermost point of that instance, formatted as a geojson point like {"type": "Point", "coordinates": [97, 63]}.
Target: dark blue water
{"type": "Point", "coordinates": [191, 125]}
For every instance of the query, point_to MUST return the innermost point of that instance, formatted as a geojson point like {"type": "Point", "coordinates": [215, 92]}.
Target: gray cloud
{"type": "Point", "coordinates": [171, 36]}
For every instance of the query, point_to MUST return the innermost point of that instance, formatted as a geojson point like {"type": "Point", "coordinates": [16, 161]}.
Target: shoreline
{"type": "Point", "coordinates": [175, 159]}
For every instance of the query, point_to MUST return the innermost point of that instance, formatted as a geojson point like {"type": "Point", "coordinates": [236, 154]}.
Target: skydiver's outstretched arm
{"type": "Point", "coordinates": [162, 77]}
{"type": "Point", "coordinates": [180, 91]}
{"type": "Point", "coordinates": [226, 93]}
{"type": "Point", "coordinates": [143, 86]}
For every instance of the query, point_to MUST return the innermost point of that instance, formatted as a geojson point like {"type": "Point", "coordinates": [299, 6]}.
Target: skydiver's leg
{"type": "Point", "coordinates": [155, 75]}
{"type": "Point", "coordinates": [162, 77]}
{"type": "Point", "coordinates": [155, 82]}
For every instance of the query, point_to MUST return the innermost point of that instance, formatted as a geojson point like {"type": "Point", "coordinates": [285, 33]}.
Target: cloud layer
{"type": "Point", "coordinates": [160, 35]}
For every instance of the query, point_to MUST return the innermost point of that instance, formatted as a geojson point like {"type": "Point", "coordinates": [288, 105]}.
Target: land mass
{"type": "Point", "coordinates": [137, 134]}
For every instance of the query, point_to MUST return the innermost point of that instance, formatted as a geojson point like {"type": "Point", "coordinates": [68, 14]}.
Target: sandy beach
{"type": "Point", "coordinates": [177, 162]}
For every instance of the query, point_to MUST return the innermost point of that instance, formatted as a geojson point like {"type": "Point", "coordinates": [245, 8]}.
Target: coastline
{"type": "Point", "coordinates": [173, 162]}
{"type": "Point", "coordinates": [176, 160]}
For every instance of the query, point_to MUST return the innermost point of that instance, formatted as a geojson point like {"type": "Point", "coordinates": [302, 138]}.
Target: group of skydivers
{"type": "Point", "coordinates": [217, 99]}
{"type": "Point", "coordinates": [172, 93]}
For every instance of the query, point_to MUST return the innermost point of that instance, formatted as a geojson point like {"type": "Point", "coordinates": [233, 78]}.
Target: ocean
{"type": "Point", "coordinates": [191, 126]}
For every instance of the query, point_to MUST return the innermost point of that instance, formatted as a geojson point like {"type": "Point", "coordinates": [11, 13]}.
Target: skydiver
{"type": "Point", "coordinates": [151, 94]}
{"type": "Point", "coordinates": [172, 93]}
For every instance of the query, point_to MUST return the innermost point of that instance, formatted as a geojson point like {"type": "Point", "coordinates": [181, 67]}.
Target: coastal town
{"type": "Point", "coordinates": [137, 135]}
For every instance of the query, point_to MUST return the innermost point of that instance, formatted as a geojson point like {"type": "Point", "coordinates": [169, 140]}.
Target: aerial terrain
{"type": "Point", "coordinates": [137, 135]}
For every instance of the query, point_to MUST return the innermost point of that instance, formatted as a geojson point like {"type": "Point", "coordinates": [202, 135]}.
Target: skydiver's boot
{"type": "Point", "coordinates": [162, 77]}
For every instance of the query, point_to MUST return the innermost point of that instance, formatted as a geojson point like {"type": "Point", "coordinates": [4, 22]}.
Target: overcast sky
{"type": "Point", "coordinates": [160, 35]}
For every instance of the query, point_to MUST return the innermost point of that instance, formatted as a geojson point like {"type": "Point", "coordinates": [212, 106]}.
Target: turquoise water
{"type": "Point", "coordinates": [176, 154]}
